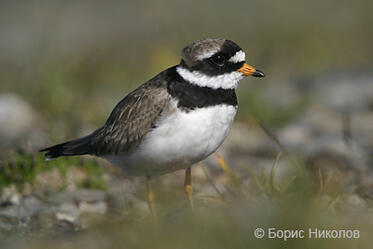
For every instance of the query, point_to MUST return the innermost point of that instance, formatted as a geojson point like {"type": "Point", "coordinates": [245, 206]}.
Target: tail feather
{"type": "Point", "coordinates": [80, 146]}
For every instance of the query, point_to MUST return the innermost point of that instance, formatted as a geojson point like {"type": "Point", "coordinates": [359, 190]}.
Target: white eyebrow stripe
{"type": "Point", "coordinates": [201, 57]}
{"type": "Point", "coordinates": [238, 57]}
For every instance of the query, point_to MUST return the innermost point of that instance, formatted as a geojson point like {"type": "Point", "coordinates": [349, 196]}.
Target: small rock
{"type": "Point", "coordinates": [10, 196]}
{"type": "Point", "coordinates": [17, 118]}
{"type": "Point", "coordinates": [69, 211]}
{"type": "Point", "coordinates": [50, 179]}
{"type": "Point", "coordinates": [97, 207]}
{"type": "Point", "coordinates": [87, 195]}
{"type": "Point", "coordinates": [30, 206]}
{"type": "Point", "coordinates": [75, 175]}
{"type": "Point", "coordinates": [65, 217]}
{"type": "Point", "coordinates": [45, 219]}
{"type": "Point", "coordinates": [27, 207]}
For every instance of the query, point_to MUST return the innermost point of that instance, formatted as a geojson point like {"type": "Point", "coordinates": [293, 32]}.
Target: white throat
{"type": "Point", "coordinates": [225, 81]}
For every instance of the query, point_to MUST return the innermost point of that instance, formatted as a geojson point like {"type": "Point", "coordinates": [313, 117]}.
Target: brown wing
{"type": "Point", "coordinates": [131, 120]}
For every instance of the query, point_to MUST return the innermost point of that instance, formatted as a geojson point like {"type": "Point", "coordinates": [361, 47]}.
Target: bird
{"type": "Point", "coordinates": [172, 121]}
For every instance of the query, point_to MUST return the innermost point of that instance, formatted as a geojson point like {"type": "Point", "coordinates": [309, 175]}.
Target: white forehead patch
{"type": "Point", "coordinates": [225, 81]}
{"type": "Point", "coordinates": [206, 55]}
{"type": "Point", "coordinates": [238, 57]}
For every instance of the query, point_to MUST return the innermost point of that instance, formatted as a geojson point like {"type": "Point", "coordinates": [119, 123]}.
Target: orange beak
{"type": "Point", "coordinates": [248, 70]}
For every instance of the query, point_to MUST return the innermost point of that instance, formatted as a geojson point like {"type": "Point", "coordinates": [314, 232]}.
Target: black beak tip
{"type": "Point", "coordinates": [258, 73]}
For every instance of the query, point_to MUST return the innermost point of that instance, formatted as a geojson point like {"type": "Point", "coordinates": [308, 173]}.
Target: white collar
{"type": "Point", "coordinates": [225, 81]}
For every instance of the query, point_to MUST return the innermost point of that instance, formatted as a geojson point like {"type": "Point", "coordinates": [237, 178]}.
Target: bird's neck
{"type": "Point", "coordinates": [190, 96]}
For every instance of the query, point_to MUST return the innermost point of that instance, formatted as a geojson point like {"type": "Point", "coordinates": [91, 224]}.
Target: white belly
{"type": "Point", "coordinates": [179, 140]}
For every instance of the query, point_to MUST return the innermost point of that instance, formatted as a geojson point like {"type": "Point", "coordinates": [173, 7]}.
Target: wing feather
{"type": "Point", "coordinates": [132, 118]}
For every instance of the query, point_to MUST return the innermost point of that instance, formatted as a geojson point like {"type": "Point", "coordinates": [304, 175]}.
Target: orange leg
{"type": "Point", "coordinates": [150, 198]}
{"type": "Point", "coordinates": [188, 186]}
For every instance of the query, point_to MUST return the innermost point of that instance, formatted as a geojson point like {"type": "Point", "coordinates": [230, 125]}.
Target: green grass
{"type": "Point", "coordinates": [21, 168]}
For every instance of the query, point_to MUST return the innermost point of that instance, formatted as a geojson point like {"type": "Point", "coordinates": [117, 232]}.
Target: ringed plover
{"type": "Point", "coordinates": [172, 121]}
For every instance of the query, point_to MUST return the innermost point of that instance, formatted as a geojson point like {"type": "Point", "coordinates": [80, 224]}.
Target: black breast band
{"type": "Point", "coordinates": [191, 96]}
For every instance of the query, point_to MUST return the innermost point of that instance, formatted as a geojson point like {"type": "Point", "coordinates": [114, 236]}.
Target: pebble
{"type": "Point", "coordinates": [89, 196]}
{"type": "Point", "coordinates": [96, 207]}
{"type": "Point", "coordinates": [17, 118]}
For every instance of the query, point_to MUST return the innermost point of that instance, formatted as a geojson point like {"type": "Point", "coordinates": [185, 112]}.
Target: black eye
{"type": "Point", "coordinates": [218, 59]}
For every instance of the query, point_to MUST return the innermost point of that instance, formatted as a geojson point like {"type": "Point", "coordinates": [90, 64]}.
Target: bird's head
{"type": "Point", "coordinates": [216, 63]}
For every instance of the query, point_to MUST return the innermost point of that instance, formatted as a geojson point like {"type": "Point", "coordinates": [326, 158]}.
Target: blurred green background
{"type": "Point", "coordinates": [74, 60]}
{"type": "Point", "coordinates": [69, 62]}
